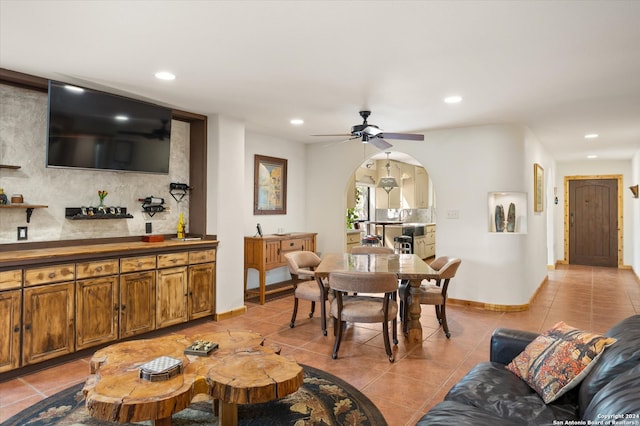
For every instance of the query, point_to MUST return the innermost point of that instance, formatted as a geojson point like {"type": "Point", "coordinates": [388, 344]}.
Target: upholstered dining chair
{"type": "Point", "coordinates": [364, 309]}
{"type": "Point", "coordinates": [432, 293]}
{"type": "Point", "coordinates": [301, 265]}
{"type": "Point", "coordinates": [371, 250]}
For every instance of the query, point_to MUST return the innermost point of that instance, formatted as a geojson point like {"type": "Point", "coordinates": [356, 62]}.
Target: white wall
{"type": "Point", "coordinates": [595, 168]}
{"type": "Point", "coordinates": [635, 214]}
{"type": "Point", "coordinates": [465, 165]}
{"type": "Point", "coordinates": [294, 219]}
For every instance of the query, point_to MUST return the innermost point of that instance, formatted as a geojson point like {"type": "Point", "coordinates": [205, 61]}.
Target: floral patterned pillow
{"type": "Point", "coordinates": [557, 360]}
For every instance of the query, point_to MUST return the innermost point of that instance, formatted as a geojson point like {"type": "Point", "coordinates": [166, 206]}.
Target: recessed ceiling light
{"type": "Point", "coordinates": [591, 136]}
{"type": "Point", "coordinates": [122, 118]}
{"type": "Point", "coordinates": [453, 99]}
{"type": "Point", "coordinates": [165, 75]}
{"type": "Point", "coordinates": [592, 156]}
{"type": "Point", "coordinates": [296, 121]}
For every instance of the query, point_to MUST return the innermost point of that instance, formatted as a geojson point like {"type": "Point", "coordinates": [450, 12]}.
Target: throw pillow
{"type": "Point", "coordinates": [557, 360]}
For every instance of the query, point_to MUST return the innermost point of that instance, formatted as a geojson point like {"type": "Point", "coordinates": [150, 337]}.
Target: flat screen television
{"type": "Point", "coordinates": [89, 129]}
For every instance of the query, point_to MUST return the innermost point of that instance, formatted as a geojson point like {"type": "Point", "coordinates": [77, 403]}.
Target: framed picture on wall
{"type": "Point", "coordinates": [538, 188]}
{"type": "Point", "coordinates": [269, 185]}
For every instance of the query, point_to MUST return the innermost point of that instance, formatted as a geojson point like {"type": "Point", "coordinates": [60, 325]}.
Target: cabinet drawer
{"type": "Point", "coordinates": [98, 268]}
{"type": "Point", "coordinates": [430, 237]}
{"type": "Point", "coordinates": [11, 279]}
{"type": "Point", "coordinates": [202, 256]}
{"type": "Point", "coordinates": [292, 245]}
{"type": "Point", "coordinates": [135, 264]}
{"type": "Point", "coordinates": [173, 259]}
{"type": "Point", "coordinates": [353, 238]}
{"type": "Point", "coordinates": [49, 274]}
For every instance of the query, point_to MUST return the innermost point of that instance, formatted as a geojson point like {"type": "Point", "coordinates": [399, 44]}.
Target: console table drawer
{"type": "Point", "coordinates": [11, 279]}
{"type": "Point", "coordinates": [173, 259]}
{"type": "Point", "coordinates": [49, 274]}
{"type": "Point", "coordinates": [202, 256]}
{"type": "Point", "coordinates": [292, 245]}
{"type": "Point", "coordinates": [135, 264]}
{"type": "Point", "coordinates": [96, 269]}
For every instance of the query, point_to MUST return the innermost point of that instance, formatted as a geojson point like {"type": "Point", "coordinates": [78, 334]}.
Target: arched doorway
{"type": "Point", "coordinates": [388, 212]}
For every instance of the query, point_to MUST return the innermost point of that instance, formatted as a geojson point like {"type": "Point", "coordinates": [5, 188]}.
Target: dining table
{"type": "Point", "coordinates": [407, 267]}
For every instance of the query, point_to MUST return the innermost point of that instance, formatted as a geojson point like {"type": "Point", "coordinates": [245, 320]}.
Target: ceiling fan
{"type": "Point", "coordinates": [370, 133]}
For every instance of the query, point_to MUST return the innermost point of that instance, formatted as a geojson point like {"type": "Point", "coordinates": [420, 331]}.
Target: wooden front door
{"type": "Point", "coordinates": [593, 222]}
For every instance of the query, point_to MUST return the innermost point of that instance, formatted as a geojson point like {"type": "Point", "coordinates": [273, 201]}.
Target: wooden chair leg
{"type": "Point", "coordinates": [295, 312]}
{"type": "Point", "coordinates": [445, 327]}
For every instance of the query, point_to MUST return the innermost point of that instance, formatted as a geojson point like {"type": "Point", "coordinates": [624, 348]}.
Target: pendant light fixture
{"type": "Point", "coordinates": [389, 182]}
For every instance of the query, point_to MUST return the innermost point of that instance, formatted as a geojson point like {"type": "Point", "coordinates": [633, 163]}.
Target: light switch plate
{"type": "Point", "coordinates": [22, 233]}
{"type": "Point", "coordinates": [453, 214]}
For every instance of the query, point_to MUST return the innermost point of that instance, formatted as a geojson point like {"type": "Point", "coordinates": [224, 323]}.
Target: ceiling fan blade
{"type": "Point", "coordinates": [338, 142]}
{"type": "Point", "coordinates": [379, 143]}
{"type": "Point", "coordinates": [403, 136]}
{"type": "Point", "coordinates": [336, 134]}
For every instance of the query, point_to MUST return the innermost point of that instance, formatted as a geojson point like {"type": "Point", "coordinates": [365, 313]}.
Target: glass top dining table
{"type": "Point", "coordinates": [409, 267]}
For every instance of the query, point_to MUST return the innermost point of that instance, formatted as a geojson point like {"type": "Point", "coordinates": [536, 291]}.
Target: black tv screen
{"type": "Point", "coordinates": [89, 129]}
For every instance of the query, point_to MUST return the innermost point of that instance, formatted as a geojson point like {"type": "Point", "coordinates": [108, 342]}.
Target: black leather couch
{"type": "Point", "coordinates": [491, 395]}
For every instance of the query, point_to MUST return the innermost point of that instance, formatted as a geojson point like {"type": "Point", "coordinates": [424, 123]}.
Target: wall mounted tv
{"type": "Point", "coordinates": [89, 129]}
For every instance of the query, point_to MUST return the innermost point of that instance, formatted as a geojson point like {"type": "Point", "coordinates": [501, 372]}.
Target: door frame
{"type": "Point", "coordinates": [566, 213]}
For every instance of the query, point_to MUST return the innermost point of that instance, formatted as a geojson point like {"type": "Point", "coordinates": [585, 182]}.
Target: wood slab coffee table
{"type": "Point", "coordinates": [241, 371]}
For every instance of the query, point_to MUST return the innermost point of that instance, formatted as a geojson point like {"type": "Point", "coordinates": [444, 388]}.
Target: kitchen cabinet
{"type": "Point", "coordinates": [48, 322]}
{"type": "Point", "coordinates": [10, 318]}
{"type": "Point", "coordinates": [202, 270]}
{"type": "Point", "coordinates": [353, 239]}
{"type": "Point", "coordinates": [172, 291]}
{"type": "Point", "coordinates": [267, 252]}
{"type": "Point", "coordinates": [421, 188]}
{"type": "Point", "coordinates": [429, 241]}
{"type": "Point", "coordinates": [137, 307]}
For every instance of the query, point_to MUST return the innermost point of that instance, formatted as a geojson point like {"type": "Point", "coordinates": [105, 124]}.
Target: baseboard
{"type": "Point", "coordinates": [230, 314]}
{"type": "Point", "coordinates": [500, 308]}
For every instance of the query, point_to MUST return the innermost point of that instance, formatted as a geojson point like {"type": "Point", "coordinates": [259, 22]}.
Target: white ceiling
{"type": "Point", "coordinates": [562, 68]}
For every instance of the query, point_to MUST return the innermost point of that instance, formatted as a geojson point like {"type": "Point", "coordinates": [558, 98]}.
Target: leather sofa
{"type": "Point", "coordinates": [490, 394]}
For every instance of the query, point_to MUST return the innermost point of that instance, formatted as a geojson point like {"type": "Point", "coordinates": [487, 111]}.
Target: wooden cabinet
{"type": "Point", "coordinates": [48, 310]}
{"type": "Point", "coordinates": [267, 252]}
{"type": "Point", "coordinates": [10, 318]}
{"type": "Point", "coordinates": [137, 303]}
{"type": "Point", "coordinates": [430, 241]}
{"type": "Point", "coordinates": [421, 188]}
{"type": "Point", "coordinates": [353, 239]}
{"type": "Point", "coordinates": [48, 322]}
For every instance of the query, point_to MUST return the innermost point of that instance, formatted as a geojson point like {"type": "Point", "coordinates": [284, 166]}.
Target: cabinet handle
{"type": "Point", "coordinates": [291, 244]}
{"type": "Point", "coordinates": [99, 269]}
{"type": "Point", "coordinates": [52, 275]}
{"type": "Point", "coordinates": [27, 327]}
{"type": "Point", "coordinates": [123, 307]}
{"type": "Point", "coordinates": [16, 329]}
{"type": "Point", "coordinates": [116, 308]}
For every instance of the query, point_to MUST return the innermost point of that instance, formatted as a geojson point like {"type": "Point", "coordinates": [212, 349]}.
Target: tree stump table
{"type": "Point", "coordinates": [241, 371]}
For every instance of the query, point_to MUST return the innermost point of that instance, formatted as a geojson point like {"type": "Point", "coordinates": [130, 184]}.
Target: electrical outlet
{"type": "Point", "coordinates": [453, 214]}
{"type": "Point", "coordinates": [147, 227]}
{"type": "Point", "coordinates": [22, 233]}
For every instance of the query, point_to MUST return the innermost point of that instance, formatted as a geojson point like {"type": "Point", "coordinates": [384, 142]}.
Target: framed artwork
{"type": "Point", "coordinates": [538, 188]}
{"type": "Point", "coordinates": [269, 185]}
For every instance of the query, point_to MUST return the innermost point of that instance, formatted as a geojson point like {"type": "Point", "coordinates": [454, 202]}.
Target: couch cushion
{"type": "Point", "coordinates": [449, 413]}
{"type": "Point", "coordinates": [557, 360]}
{"type": "Point", "coordinates": [620, 357]}
{"type": "Point", "coordinates": [495, 390]}
{"type": "Point", "coordinates": [618, 402]}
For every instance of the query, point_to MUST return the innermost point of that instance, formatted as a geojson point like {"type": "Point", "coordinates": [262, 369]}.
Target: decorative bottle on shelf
{"type": "Point", "coordinates": [181, 226]}
{"type": "Point", "coordinates": [3, 197]}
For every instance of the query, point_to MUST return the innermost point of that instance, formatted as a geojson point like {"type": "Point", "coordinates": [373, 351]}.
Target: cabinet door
{"type": "Point", "coordinates": [308, 244]}
{"type": "Point", "coordinates": [137, 303]}
{"type": "Point", "coordinates": [272, 252]}
{"type": "Point", "coordinates": [201, 290]}
{"type": "Point", "coordinates": [96, 311]}
{"type": "Point", "coordinates": [10, 303]}
{"type": "Point", "coordinates": [421, 188]}
{"type": "Point", "coordinates": [172, 296]}
{"type": "Point", "coordinates": [48, 321]}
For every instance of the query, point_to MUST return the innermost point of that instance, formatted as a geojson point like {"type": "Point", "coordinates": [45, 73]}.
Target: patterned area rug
{"type": "Point", "coordinates": [323, 399]}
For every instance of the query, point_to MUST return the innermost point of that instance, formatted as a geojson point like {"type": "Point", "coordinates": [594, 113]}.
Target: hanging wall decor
{"type": "Point", "coordinates": [538, 188]}
{"type": "Point", "coordinates": [269, 185]}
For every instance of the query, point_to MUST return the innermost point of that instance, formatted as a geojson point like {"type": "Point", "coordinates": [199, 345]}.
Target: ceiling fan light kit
{"type": "Point", "coordinates": [370, 133]}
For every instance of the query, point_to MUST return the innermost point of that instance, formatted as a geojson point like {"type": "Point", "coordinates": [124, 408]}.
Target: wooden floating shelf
{"type": "Point", "coordinates": [28, 207]}
{"type": "Point", "coordinates": [6, 166]}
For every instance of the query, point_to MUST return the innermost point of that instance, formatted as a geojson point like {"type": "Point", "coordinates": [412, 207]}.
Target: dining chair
{"type": "Point", "coordinates": [432, 293]}
{"type": "Point", "coordinates": [305, 286]}
{"type": "Point", "coordinates": [364, 309]}
{"type": "Point", "coordinates": [371, 250]}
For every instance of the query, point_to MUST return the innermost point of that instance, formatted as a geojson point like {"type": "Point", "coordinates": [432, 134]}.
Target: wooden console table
{"type": "Point", "coordinates": [267, 252]}
{"type": "Point", "coordinates": [241, 371]}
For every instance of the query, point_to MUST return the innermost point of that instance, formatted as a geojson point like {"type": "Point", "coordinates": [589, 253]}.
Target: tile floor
{"type": "Point", "coordinates": [586, 297]}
